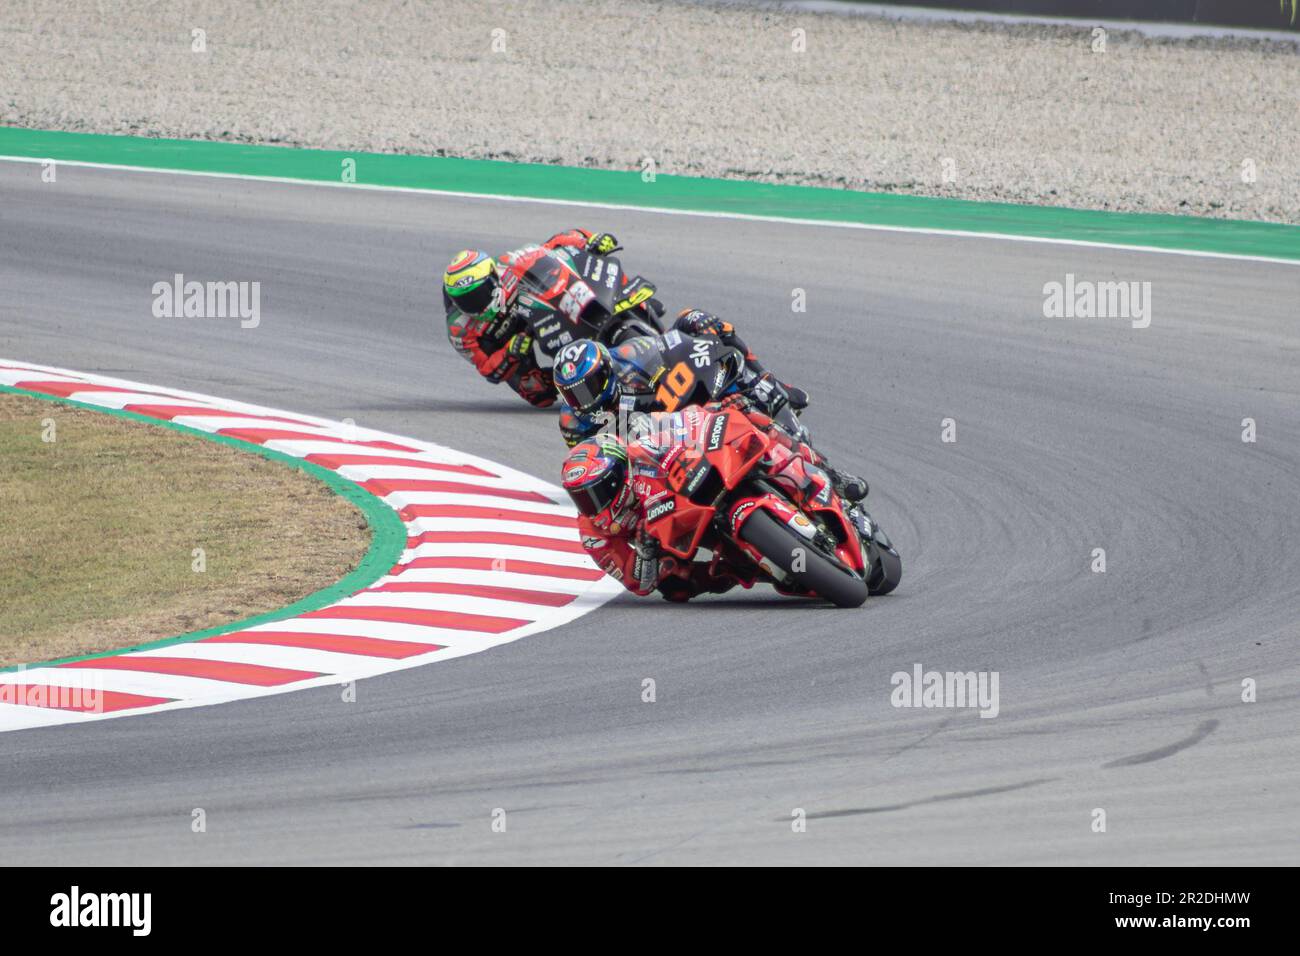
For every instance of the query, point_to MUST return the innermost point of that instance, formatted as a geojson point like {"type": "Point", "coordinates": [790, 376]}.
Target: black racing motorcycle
{"type": "Point", "coordinates": [566, 297]}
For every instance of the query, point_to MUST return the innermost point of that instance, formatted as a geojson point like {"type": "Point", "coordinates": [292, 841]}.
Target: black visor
{"type": "Point", "coordinates": [586, 394]}
{"type": "Point", "coordinates": [595, 496]}
{"type": "Point", "coordinates": [476, 301]}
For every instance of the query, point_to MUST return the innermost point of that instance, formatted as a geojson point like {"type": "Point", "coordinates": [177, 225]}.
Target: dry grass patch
{"type": "Point", "coordinates": [98, 531]}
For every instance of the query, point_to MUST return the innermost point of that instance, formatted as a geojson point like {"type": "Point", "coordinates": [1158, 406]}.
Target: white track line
{"type": "Point", "coordinates": [664, 211]}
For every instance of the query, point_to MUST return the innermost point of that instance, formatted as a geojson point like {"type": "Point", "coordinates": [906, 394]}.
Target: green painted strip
{"type": "Point", "coordinates": [387, 534]}
{"type": "Point", "coordinates": [535, 181]}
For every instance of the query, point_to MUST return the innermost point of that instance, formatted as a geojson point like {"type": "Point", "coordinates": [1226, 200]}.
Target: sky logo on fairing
{"type": "Point", "coordinates": [74, 909]}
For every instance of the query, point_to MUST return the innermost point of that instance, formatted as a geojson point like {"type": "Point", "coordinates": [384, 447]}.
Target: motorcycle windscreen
{"type": "Point", "coordinates": [604, 278]}
{"type": "Point", "coordinates": [602, 272]}
{"type": "Point", "coordinates": [642, 359]}
{"type": "Point", "coordinates": [547, 277]}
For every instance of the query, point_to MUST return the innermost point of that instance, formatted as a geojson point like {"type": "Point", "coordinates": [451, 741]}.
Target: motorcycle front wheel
{"type": "Point", "coordinates": [820, 573]}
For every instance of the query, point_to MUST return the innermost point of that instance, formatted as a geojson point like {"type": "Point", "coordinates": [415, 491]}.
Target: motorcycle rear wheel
{"type": "Point", "coordinates": [821, 574]}
{"type": "Point", "coordinates": [886, 572]}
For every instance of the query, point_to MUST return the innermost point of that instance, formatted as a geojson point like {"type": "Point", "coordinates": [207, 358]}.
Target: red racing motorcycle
{"type": "Point", "coordinates": [721, 483]}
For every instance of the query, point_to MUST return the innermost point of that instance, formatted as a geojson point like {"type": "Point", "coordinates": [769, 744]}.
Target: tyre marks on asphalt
{"type": "Point", "coordinates": [1203, 730]}
{"type": "Point", "coordinates": [938, 798]}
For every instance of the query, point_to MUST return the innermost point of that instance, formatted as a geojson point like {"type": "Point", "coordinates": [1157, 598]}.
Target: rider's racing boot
{"type": "Point", "coordinates": [796, 396]}
{"type": "Point", "coordinates": [848, 486]}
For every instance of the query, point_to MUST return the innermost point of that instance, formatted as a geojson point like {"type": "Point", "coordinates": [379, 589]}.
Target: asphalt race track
{"type": "Point", "coordinates": [1118, 690]}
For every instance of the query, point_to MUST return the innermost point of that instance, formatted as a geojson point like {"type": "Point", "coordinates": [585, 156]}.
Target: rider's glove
{"type": "Point", "coordinates": [699, 322]}
{"type": "Point", "coordinates": [603, 244]}
{"type": "Point", "coordinates": [739, 401]}
{"type": "Point", "coordinates": [496, 367]}
{"type": "Point", "coordinates": [520, 346]}
{"type": "Point", "coordinates": [647, 561]}
{"type": "Point", "coordinates": [644, 545]}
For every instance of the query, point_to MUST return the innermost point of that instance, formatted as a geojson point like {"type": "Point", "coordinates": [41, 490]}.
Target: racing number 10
{"type": "Point", "coordinates": [677, 385]}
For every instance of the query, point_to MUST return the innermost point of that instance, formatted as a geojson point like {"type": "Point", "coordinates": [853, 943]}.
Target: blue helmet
{"type": "Point", "coordinates": [585, 376]}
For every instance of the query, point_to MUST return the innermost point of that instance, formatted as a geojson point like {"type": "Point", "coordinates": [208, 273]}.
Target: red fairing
{"type": "Point", "coordinates": [811, 490]}
{"type": "Point", "coordinates": [723, 447]}
{"type": "Point", "coordinates": [734, 444]}
{"type": "Point", "coordinates": [514, 264]}
{"type": "Point", "coordinates": [667, 463]}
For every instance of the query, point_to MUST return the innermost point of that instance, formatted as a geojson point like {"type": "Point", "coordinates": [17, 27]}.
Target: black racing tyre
{"type": "Point", "coordinates": [820, 574]}
{"type": "Point", "coordinates": [886, 572]}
